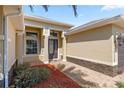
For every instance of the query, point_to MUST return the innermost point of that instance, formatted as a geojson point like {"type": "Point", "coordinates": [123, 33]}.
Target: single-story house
{"type": "Point", "coordinates": [97, 45]}
{"type": "Point", "coordinates": [26, 38]}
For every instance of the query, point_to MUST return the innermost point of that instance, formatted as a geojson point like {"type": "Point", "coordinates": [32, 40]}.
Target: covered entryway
{"type": "Point", "coordinates": [53, 48]}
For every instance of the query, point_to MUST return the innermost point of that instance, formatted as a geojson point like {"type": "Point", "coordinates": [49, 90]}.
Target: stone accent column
{"type": "Point", "coordinates": [64, 46]}
{"type": "Point", "coordinates": [46, 33]}
{"type": "Point", "coordinates": [19, 47]}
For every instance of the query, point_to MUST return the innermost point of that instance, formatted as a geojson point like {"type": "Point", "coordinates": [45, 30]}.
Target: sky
{"type": "Point", "coordinates": [86, 13]}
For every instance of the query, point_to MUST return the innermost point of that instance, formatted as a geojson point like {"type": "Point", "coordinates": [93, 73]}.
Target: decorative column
{"type": "Point", "coordinates": [64, 46]}
{"type": "Point", "coordinates": [46, 33]}
{"type": "Point", "coordinates": [20, 47]}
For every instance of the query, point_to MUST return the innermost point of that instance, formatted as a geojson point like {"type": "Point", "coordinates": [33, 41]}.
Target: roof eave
{"type": "Point", "coordinates": [45, 20]}
{"type": "Point", "coordinates": [105, 22]}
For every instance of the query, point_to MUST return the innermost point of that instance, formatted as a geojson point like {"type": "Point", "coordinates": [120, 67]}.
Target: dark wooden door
{"type": "Point", "coordinates": [53, 48]}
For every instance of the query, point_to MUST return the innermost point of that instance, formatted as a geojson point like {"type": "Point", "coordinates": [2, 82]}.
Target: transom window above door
{"type": "Point", "coordinates": [31, 43]}
{"type": "Point", "coordinates": [54, 34]}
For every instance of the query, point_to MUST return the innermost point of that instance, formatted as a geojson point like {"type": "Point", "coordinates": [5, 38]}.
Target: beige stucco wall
{"type": "Point", "coordinates": [1, 40]}
{"type": "Point", "coordinates": [1, 12]}
{"type": "Point", "coordinates": [1, 55]}
{"type": "Point", "coordinates": [19, 46]}
{"type": "Point", "coordinates": [32, 58]}
{"type": "Point", "coordinates": [11, 44]}
{"type": "Point", "coordinates": [117, 29]}
{"type": "Point", "coordinates": [93, 45]}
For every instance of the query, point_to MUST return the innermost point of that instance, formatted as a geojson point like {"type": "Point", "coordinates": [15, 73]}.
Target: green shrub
{"type": "Point", "coordinates": [119, 84]}
{"type": "Point", "coordinates": [31, 76]}
{"type": "Point", "coordinates": [20, 68]}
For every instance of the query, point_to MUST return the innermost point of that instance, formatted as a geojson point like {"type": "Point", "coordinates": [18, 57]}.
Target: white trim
{"type": "Point", "coordinates": [46, 32]}
{"type": "Point", "coordinates": [114, 50]}
{"type": "Point", "coordinates": [46, 62]}
{"type": "Point", "coordinates": [38, 48]}
{"type": "Point", "coordinates": [40, 55]}
{"type": "Point", "coordinates": [35, 26]}
{"type": "Point", "coordinates": [45, 52]}
{"type": "Point", "coordinates": [91, 60]}
{"type": "Point", "coordinates": [50, 37]}
{"type": "Point", "coordinates": [63, 34]}
{"type": "Point", "coordinates": [94, 24]}
{"type": "Point", "coordinates": [54, 59]}
{"type": "Point", "coordinates": [1, 37]}
{"type": "Point", "coordinates": [45, 26]}
{"type": "Point", "coordinates": [46, 20]}
{"type": "Point", "coordinates": [64, 48]}
{"type": "Point", "coordinates": [58, 53]}
{"type": "Point", "coordinates": [30, 55]}
{"type": "Point", "coordinates": [64, 60]}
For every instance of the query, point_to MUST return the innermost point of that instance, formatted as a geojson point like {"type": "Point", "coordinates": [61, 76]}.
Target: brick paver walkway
{"type": "Point", "coordinates": [87, 77]}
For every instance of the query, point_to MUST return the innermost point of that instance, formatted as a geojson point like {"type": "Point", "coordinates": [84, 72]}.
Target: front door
{"type": "Point", "coordinates": [53, 48]}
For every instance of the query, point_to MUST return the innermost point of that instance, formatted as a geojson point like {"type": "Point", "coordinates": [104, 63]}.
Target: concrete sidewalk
{"type": "Point", "coordinates": [86, 77]}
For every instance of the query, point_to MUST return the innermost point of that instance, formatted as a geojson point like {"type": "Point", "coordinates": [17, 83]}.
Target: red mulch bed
{"type": "Point", "coordinates": [56, 79]}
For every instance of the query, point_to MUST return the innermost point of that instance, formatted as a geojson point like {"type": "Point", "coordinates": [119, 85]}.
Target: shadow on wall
{"type": "Point", "coordinates": [77, 75]}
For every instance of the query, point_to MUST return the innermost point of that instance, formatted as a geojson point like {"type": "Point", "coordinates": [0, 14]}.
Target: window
{"type": "Point", "coordinates": [31, 43]}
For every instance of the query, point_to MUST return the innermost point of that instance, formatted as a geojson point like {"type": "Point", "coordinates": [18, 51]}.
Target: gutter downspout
{"type": "Point", "coordinates": [5, 65]}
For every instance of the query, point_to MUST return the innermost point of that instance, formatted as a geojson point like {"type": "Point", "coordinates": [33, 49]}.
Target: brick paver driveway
{"type": "Point", "coordinates": [86, 77]}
